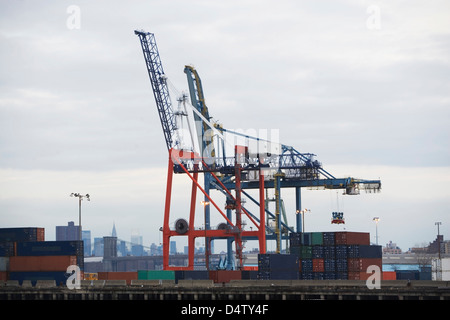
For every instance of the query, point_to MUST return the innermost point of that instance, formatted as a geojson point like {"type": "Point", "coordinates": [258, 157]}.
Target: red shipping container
{"type": "Point", "coordinates": [41, 263]}
{"type": "Point", "coordinates": [346, 237]}
{"type": "Point", "coordinates": [352, 275]}
{"type": "Point", "coordinates": [361, 264]}
{"type": "Point", "coordinates": [128, 276]}
{"type": "Point", "coordinates": [221, 276]}
{"type": "Point", "coordinates": [318, 265]}
{"type": "Point", "coordinates": [40, 234]}
{"type": "Point", "coordinates": [3, 275]}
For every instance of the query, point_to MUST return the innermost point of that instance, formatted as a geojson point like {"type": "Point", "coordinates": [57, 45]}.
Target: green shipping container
{"type": "Point", "coordinates": [303, 252]}
{"type": "Point", "coordinates": [156, 275]}
{"type": "Point", "coordinates": [317, 238]}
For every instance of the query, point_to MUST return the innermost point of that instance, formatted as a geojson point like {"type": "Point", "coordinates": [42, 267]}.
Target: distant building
{"type": "Point", "coordinates": [98, 247]}
{"type": "Point", "coordinates": [173, 247]}
{"type": "Point", "coordinates": [391, 248]}
{"type": "Point", "coordinates": [86, 235]}
{"type": "Point", "coordinates": [436, 244]}
{"type": "Point", "coordinates": [67, 233]}
{"type": "Point", "coordinates": [109, 247]}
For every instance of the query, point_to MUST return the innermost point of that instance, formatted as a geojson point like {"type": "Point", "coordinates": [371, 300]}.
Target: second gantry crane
{"type": "Point", "coordinates": [259, 164]}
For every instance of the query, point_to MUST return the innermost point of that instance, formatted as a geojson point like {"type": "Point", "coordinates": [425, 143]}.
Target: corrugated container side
{"type": "Point", "coordinates": [306, 265]}
{"type": "Point", "coordinates": [353, 275]}
{"type": "Point", "coordinates": [346, 237]}
{"type": "Point", "coordinates": [317, 238]}
{"type": "Point", "coordinates": [41, 263]}
{"type": "Point", "coordinates": [196, 275]}
{"type": "Point", "coordinates": [282, 275]}
{"type": "Point", "coordinates": [329, 265]}
{"type": "Point", "coordinates": [318, 265]}
{"type": "Point", "coordinates": [341, 265]}
{"type": "Point", "coordinates": [306, 276]}
{"type": "Point", "coordinates": [224, 276]}
{"type": "Point", "coordinates": [3, 275]}
{"type": "Point", "coordinates": [49, 248]}
{"type": "Point", "coordinates": [128, 276]}
{"type": "Point", "coordinates": [303, 252]}
{"type": "Point", "coordinates": [329, 276]}
{"type": "Point", "coordinates": [328, 239]}
{"type": "Point", "coordinates": [341, 251]}
{"type": "Point", "coordinates": [159, 275]}
{"type": "Point", "coordinates": [4, 263]}
{"type": "Point", "coordinates": [249, 274]}
{"type": "Point", "coordinates": [407, 275]}
{"type": "Point", "coordinates": [318, 275]}
{"type": "Point", "coordinates": [389, 275]}
{"type": "Point", "coordinates": [361, 264]}
{"type": "Point", "coordinates": [317, 252]}
{"type": "Point", "coordinates": [280, 262]}
{"type": "Point", "coordinates": [59, 276]}
{"type": "Point", "coordinates": [295, 239]}
{"type": "Point", "coordinates": [22, 234]}
{"type": "Point", "coordinates": [329, 252]}
{"type": "Point", "coordinates": [7, 249]}
{"type": "Point", "coordinates": [341, 275]}
{"type": "Point", "coordinates": [306, 238]}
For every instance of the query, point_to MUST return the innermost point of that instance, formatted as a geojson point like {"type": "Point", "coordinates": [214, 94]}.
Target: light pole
{"type": "Point", "coordinates": [80, 197]}
{"type": "Point", "coordinates": [302, 212]}
{"type": "Point", "coordinates": [376, 219]}
{"type": "Point", "coordinates": [439, 240]}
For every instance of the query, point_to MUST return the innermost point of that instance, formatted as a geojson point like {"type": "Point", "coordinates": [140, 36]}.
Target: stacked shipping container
{"type": "Point", "coordinates": [25, 255]}
{"type": "Point", "coordinates": [278, 266]}
{"type": "Point", "coordinates": [334, 255]}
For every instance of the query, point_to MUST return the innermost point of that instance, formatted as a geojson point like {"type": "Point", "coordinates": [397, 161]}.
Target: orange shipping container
{"type": "Point", "coordinates": [128, 276]}
{"type": "Point", "coordinates": [389, 275]}
{"type": "Point", "coordinates": [41, 263]}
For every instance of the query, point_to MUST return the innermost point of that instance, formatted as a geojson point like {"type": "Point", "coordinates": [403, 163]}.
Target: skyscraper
{"type": "Point", "coordinates": [67, 233]}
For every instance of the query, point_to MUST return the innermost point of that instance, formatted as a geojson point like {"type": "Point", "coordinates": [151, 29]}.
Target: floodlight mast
{"type": "Point", "coordinates": [80, 197]}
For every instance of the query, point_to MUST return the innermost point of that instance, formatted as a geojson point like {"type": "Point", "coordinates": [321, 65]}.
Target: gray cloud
{"type": "Point", "coordinates": [80, 100]}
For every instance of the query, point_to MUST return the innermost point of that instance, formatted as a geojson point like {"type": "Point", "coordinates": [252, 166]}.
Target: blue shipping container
{"type": "Point", "coordinates": [60, 277]}
{"type": "Point", "coordinates": [328, 238]}
{"type": "Point", "coordinates": [50, 248]}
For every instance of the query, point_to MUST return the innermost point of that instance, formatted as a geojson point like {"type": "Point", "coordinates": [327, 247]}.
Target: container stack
{"type": "Point", "coordinates": [9, 237]}
{"type": "Point", "coordinates": [334, 255]}
{"type": "Point", "coordinates": [278, 267]}
{"type": "Point", "coordinates": [25, 255]}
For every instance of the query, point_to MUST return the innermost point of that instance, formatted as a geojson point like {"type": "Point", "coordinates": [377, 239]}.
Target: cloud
{"type": "Point", "coordinates": [76, 107]}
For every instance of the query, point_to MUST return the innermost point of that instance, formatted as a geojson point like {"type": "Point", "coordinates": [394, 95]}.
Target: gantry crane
{"type": "Point", "coordinates": [263, 165]}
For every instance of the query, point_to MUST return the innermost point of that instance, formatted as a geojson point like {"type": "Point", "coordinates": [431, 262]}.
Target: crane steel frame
{"type": "Point", "coordinates": [233, 230]}
{"type": "Point", "coordinates": [293, 170]}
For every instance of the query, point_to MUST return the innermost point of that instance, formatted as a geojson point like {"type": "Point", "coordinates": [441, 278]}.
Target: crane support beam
{"type": "Point", "coordinates": [338, 183]}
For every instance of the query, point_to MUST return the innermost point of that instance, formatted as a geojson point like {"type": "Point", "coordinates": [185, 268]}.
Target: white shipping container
{"type": "Point", "coordinates": [441, 272]}
{"type": "Point", "coordinates": [4, 263]}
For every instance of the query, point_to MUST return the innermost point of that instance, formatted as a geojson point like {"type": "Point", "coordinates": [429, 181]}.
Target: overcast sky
{"type": "Point", "coordinates": [365, 85]}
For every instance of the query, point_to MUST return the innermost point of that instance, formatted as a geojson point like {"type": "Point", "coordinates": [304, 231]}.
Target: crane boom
{"type": "Point", "coordinates": [158, 81]}
{"type": "Point", "coordinates": [204, 133]}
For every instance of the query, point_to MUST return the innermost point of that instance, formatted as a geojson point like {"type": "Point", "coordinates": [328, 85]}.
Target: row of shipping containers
{"type": "Point", "coordinates": [25, 255]}
{"type": "Point", "coordinates": [218, 276]}
{"type": "Point", "coordinates": [322, 256]}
